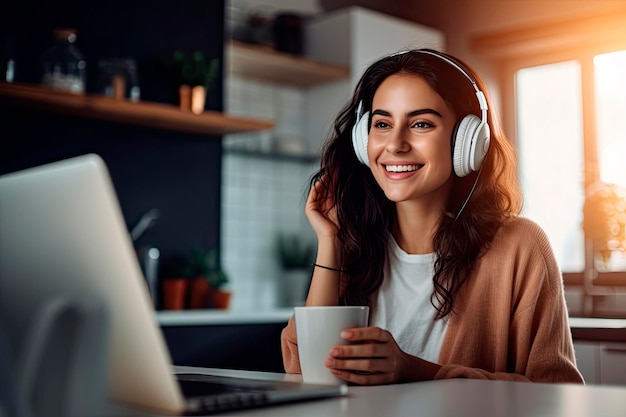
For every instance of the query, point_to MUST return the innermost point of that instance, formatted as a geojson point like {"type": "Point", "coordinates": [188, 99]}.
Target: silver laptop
{"type": "Point", "coordinates": [62, 230]}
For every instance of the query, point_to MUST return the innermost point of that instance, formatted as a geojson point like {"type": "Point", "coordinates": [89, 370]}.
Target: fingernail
{"type": "Point", "coordinates": [345, 334]}
{"type": "Point", "coordinates": [335, 352]}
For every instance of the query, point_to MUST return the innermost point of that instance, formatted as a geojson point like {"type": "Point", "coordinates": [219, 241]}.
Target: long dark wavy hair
{"type": "Point", "coordinates": [365, 215]}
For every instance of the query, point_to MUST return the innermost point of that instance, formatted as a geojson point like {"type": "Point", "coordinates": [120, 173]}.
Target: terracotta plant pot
{"type": "Point", "coordinates": [199, 293]}
{"type": "Point", "coordinates": [219, 299]}
{"type": "Point", "coordinates": [175, 293]}
{"type": "Point", "coordinates": [192, 98]}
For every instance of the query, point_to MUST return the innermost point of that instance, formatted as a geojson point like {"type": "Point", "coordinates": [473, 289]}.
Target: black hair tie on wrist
{"type": "Point", "coordinates": [329, 268]}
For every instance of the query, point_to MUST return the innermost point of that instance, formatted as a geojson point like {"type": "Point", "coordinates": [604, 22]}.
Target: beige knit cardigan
{"type": "Point", "coordinates": [510, 320]}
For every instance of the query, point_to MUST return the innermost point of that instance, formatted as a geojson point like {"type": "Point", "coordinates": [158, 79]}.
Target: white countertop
{"type": "Point", "coordinates": [596, 323]}
{"type": "Point", "coordinates": [598, 329]}
{"type": "Point", "coordinates": [444, 398]}
{"type": "Point", "coordinates": [222, 317]}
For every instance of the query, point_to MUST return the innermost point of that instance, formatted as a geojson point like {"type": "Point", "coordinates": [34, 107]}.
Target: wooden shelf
{"type": "Point", "coordinates": [273, 156]}
{"type": "Point", "coordinates": [265, 64]}
{"type": "Point", "coordinates": [147, 114]}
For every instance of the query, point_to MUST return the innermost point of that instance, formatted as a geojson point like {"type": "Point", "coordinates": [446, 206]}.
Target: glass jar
{"type": "Point", "coordinates": [7, 62]}
{"type": "Point", "coordinates": [117, 78]}
{"type": "Point", "coordinates": [64, 67]}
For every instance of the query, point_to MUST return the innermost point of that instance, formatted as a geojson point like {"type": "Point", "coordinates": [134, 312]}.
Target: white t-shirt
{"type": "Point", "coordinates": [402, 304]}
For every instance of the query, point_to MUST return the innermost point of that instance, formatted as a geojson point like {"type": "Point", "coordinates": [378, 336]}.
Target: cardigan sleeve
{"type": "Point", "coordinates": [540, 353]}
{"type": "Point", "coordinates": [515, 323]}
{"type": "Point", "coordinates": [289, 347]}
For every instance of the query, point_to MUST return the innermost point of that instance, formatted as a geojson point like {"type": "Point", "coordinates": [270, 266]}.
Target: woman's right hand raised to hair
{"type": "Point", "coordinates": [321, 211]}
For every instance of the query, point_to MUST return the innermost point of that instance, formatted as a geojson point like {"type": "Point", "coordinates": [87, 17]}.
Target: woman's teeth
{"type": "Point", "coordinates": [401, 168]}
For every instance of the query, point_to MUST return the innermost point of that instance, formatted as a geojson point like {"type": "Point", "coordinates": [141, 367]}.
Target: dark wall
{"type": "Point", "coordinates": [148, 31]}
{"type": "Point", "coordinates": [179, 174]}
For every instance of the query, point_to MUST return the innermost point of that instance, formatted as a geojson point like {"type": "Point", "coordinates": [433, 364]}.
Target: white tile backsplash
{"type": "Point", "coordinates": [261, 196]}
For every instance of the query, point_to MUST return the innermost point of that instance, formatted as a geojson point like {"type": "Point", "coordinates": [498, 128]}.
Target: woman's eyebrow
{"type": "Point", "coordinates": [409, 114]}
{"type": "Point", "coordinates": [424, 111]}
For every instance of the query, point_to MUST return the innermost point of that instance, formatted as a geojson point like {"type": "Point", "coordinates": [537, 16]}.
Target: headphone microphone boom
{"type": "Point", "coordinates": [471, 135]}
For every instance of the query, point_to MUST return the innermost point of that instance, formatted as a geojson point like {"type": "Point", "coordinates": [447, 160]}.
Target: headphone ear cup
{"type": "Point", "coordinates": [465, 145]}
{"type": "Point", "coordinates": [360, 134]}
{"type": "Point", "coordinates": [480, 146]}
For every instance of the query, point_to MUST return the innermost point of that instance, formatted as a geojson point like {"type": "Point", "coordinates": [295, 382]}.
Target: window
{"type": "Point", "coordinates": [571, 147]}
{"type": "Point", "coordinates": [610, 116]}
{"type": "Point", "coordinates": [563, 93]}
{"type": "Point", "coordinates": [550, 147]}
{"type": "Point", "coordinates": [610, 88]}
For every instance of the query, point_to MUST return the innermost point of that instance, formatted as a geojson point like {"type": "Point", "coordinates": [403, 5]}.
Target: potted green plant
{"type": "Point", "coordinates": [295, 255]}
{"type": "Point", "coordinates": [294, 252]}
{"type": "Point", "coordinates": [207, 280]}
{"type": "Point", "coordinates": [197, 73]}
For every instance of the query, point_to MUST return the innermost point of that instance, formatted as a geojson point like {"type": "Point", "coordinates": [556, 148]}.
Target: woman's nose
{"type": "Point", "coordinates": [397, 142]}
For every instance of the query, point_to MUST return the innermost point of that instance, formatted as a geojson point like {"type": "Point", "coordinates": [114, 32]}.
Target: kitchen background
{"type": "Point", "coordinates": [238, 193]}
{"type": "Point", "coordinates": [455, 28]}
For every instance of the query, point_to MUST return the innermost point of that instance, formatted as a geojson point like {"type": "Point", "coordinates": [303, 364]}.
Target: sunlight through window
{"type": "Point", "coordinates": [610, 83]}
{"type": "Point", "coordinates": [550, 143]}
{"type": "Point", "coordinates": [610, 96]}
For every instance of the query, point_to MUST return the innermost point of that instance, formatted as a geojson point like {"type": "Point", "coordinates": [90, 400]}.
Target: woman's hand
{"type": "Point", "coordinates": [320, 210]}
{"type": "Point", "coordinates": [375, 358]}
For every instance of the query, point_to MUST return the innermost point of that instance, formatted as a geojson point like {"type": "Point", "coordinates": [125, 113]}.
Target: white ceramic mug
{"type": "Point", "coordinates": [317, 330]}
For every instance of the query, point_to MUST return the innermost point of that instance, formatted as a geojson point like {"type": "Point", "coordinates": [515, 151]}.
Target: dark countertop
{"type": "Point", "coordinates": [598, 329]}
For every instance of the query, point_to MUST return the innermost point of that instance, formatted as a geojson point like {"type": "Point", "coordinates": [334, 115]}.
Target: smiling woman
{"type": "Point", "coordinates": [415, 208]}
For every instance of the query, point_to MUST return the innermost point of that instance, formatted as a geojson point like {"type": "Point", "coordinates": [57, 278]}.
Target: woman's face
{"type": "Point", "coordinates": [409, 145]}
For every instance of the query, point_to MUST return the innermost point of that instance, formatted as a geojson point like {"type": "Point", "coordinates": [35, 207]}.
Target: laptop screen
{"type": "Point", "coordinates": [62, 229]}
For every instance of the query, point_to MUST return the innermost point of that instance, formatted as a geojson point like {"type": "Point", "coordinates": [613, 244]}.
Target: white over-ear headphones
{"type": "Point", "coordinates": [471, 136]}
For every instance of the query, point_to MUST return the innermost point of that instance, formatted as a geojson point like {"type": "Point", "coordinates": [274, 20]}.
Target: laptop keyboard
{"type": "Point", "coordinates": [209, 397]}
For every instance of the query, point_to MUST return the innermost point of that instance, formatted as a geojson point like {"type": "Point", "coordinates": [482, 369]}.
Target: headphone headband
{"type": "Point", "coordinates": [482, 101]}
